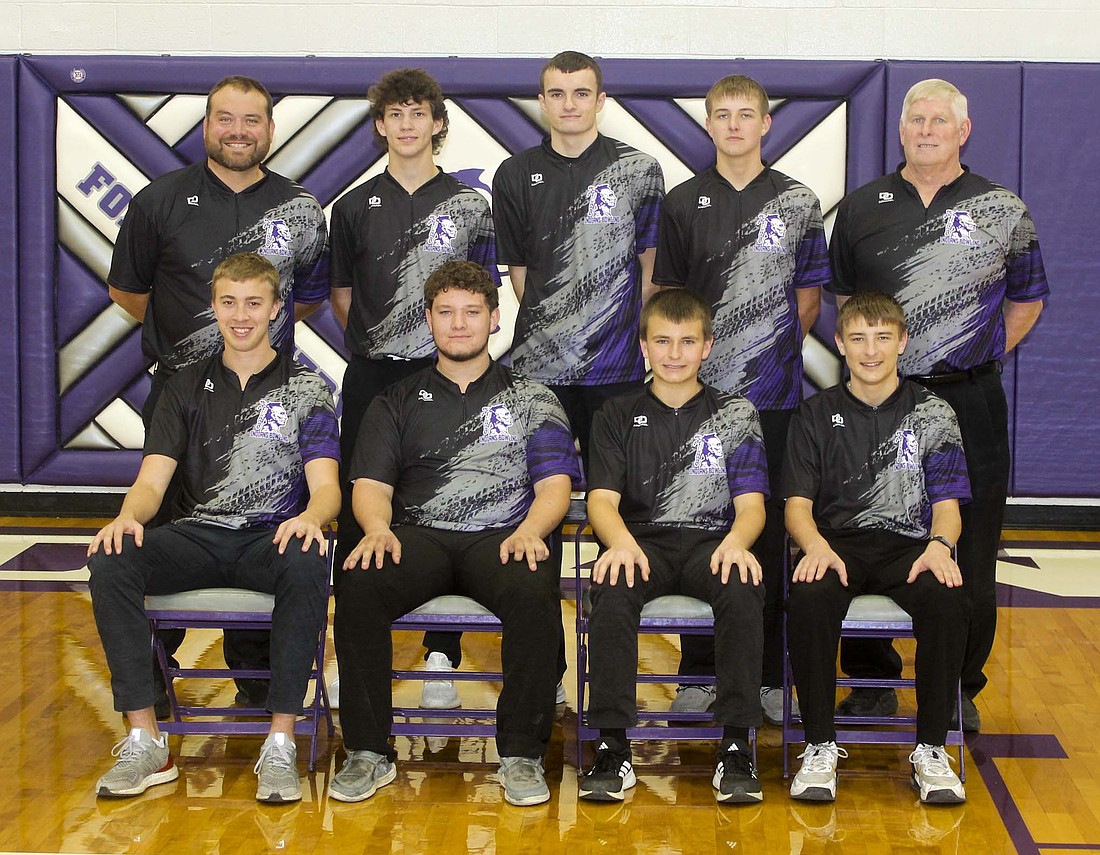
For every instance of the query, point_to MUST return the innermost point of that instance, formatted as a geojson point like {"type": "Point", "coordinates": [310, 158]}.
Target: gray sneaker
{"type": "Point", "coordinates": [142, 762]}
{"type": "Point", "coordinates": [362, 773]}
{"type": "Point", "coordinates": [771, 703]}
{"type": "Point", "coordinates": [692, 699]}
{"type": "Point", "coordinates": [277, 769]}
{"type": "Point", "coordinates": [523, 781]}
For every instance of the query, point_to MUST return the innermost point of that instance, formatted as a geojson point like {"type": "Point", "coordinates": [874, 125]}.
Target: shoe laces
{"type": "Point", "coordinates": [524, 770]}
{"type": "Point", "coordinates": [736, 760]}
{"type": "Point", "coordinates": [821, 756]}
{"type": "Point", "coordinates": [128, 748]}
{"type": "Point", "coordinates": [932, 760]}
{"type": "Point", "coordinates": [709, 689]}
{"type": "Point", "coordinates": [607, 760]}
{"type": "Point", "coordinates": [276, 755]}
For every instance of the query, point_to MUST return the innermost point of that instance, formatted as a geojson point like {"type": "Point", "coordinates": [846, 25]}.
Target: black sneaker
{"type": "Point", "coordinates": [252, 693]}
{"type": "Point", "coordinates": [610, 776]}
{"type": "Point", "coordinates": [735, 778]}
{"type": "Point", "coordinates": [869, 702]}
{"type": "Point", "coordinates": [972, 719]}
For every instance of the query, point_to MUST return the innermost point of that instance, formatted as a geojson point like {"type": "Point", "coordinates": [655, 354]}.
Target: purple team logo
{"type": "Point", "coordinates": [495, 422]}
{"type": "Point", "coordinates": [277, 239]}
{"type": "Point", "coordinates": [441, 231]}
{"type": "Point", "coordinates": [772, 232]}
{"type": "Point", "coordinates": [959, 227]}
{"type": "Point", "coordinates": [271, 421]}
{"type": "Point", "coordinates": [908, 457]}
{"type": "Point", "coordinates": [709, 459]}
{"type": "Point", "coordinates": [601, 204]}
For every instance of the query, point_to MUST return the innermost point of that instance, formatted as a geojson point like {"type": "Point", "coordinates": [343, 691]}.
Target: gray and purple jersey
{"type": "Point", "coordinates": [387, 241]}
{"type": "Point", "coordinates": [578, 226]}
{"type": "Point", "coordinates": [242, 454]}
{"type": "Point", "coordinates": [678, 466]}
{"type": "Point", "coordinates": [746, 252]}
{"type": "Point", "coordinates": [950, 266]}
{"type": "Point", "coordinates": [875, 467]}
{"type": "Point", "coordinates": [464, 461]}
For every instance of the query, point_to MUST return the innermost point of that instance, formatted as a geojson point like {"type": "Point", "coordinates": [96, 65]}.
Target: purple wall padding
{"type": "Point", "coordinates": [1058, 380]}
{"type": "Point", "coordinates": [10, 468]}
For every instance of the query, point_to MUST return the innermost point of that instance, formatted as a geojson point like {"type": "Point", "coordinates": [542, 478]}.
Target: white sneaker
{"type": "Point", "coordinates": [933, 776]}
{"type": "Point", "coordinates": [816, 780]}
{"type": "Point", "coordinates": [334, 694]}
{"type": "Point", "coordinates": [439, 694]}
{"type": "Point", "coordinates": [559, 696]}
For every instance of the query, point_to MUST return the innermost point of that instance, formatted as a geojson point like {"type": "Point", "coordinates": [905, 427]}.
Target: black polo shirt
{"type": "Point", "coordinates": [578, 226]}
{"type": "Point", "coordinates": [184, 224]}
{"type": "Point", "coordinates": [242, 454]}
{"type": "Point", "coordinates": [745, 252]}
{"type": "Point", "coordinates": [678, 466]}
{"type": "Point", "coordinates": [385, 244]}
{"type": "Point", "coordinates": [951, 265]}
{"type": "Point", "coordinates": [875, 467]}
{"type": "Point", "coordinates": [469, 460]}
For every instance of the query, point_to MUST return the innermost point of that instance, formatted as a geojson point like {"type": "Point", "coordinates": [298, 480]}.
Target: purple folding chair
{"type": "Point", "coordinates": [869, 616]}
{"type": "Point", "coordinates": [230, 608]}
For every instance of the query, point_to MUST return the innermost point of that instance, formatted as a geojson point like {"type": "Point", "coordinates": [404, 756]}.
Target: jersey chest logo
{"type": "Point", "coordinates": [601, 204]}
{"type": "Point", "coordinates": [908, 451]}
{"type": "Point", "coordinates": [441, 232]}
{"type": "Point", "coordinates": [277, 239]}
{"type": "Point", "coordinates": [959, 228]}
{"type": "Point", "coordinates": [495, 424]}
{"type": "Point", "coordinates": [271, 421]}
{"type": "Point", "coordinates": [771, 234]}
{"type": "Point", "coordinates": [709, 458]}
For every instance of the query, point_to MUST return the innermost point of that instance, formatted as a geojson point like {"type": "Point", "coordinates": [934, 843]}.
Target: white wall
{"type": "Point", "coordinates": [1060, 30]}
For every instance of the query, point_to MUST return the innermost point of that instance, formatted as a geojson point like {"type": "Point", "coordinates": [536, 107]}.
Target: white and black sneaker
{"type": "Point", "coordinates": [816, 780]}
{"type": "Point", "coordinates": [610, 776]}
{"type": "Point", "coordinates": [735, 780]}
{"type": "Point", "coordinates": [933, 776]}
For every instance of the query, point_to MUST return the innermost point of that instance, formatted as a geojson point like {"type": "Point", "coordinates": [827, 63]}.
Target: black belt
{"type": "Point", "coordinates": [992, 367]}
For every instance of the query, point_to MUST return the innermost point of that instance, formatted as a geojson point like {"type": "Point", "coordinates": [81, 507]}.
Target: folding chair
{"type": "Point", "coordinates": [230, 608]}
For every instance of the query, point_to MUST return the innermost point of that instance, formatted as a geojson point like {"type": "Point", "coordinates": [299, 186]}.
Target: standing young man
{"type": "Point", "coordinates": [676, 492]}
{"type": "Point", "coordinates": [177, 230]}
{"type": "Point", "coordinates": [388, 235]}
{"type": "Point", "coordinates": [461, 473]}
{"type": "Point", "coordinates": [253, 435]}
{"type": "Point", "coordinates": [576, 221]}
{"type": "Point", "coordinates": [873, 478]}
{"type": "Point", "coordinates": [961, 255]}
{"type": "Point", "coordinates": [750, 241]}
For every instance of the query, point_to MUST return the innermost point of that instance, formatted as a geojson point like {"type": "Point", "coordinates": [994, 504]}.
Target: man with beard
{"type": "Point", "coordinates": [185, 223]}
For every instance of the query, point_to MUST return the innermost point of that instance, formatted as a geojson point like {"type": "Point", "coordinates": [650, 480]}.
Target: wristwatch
{"type": "Point", "coordinates": [943, 540]}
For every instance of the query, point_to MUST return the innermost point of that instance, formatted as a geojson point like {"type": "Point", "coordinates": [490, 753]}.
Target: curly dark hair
{"type": "Point", "coordinates": [463, 276]}
{"type": "Point", "coordinates": [408, 86]}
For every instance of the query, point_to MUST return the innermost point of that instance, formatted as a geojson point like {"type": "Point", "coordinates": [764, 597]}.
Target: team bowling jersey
{"type": "Point", "coordinates": [678, 467]}
{"type": "Point", "coordinates": [242, 454]}
{"type": "Point", "coordinates": [184, 224]}
{"type": "Point", "coordinates": [385, 244]}
{"type": "Point", "coordinates": [875, 467]}
{"type": "Point", "coordinates": [464, 461]}
{"type": "Point", "coordinates": [578, 225]}
{"type": "Point", "coordinates": [951, 266]}
{"type": "Point", "coordinates": [745, 252]}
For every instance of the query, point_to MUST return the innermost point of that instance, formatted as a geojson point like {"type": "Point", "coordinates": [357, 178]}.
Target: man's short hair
{"type": "Point", "coordinates": [462, 276]}
{"type": "Point", "coordinates": [408, 86]}
{"type": "Point", "coordinates": [570, 62]}
{"type": "Point", "coordinates": [874, 307]}
{"type": "Point", "coordinates": [245, 266]}
{"type": "Point", "coordinates": [738, 86]}
{"type": "Point", "coordinates": [936, 89]}
{"type": "Point", "coordinates": [244, 84]}
{"type": "Point", "coordinates": [678, 305]}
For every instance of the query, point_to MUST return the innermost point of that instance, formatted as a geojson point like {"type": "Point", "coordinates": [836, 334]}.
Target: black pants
{"type": "Point", "coordinates": [697, 651]}
{"type": "Point", "coordinates": [433, 563]}
{"type": "Point", "coordinates": [979, 404]}
{"type": "Point", "coordinates": [242, 648]}
{"type": "Point", "coordinates": [188, 556]}
{"type": "Point", "coordinates": [679, 563]}
{"type": "Point", "coordinates": [877, 562]}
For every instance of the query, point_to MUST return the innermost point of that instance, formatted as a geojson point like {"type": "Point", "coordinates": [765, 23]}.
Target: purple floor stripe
{"type": "Point", "coordinates": [1023, 598]}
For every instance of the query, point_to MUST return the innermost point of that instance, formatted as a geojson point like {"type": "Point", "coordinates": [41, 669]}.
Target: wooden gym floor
{"type": "Point", "coordinates": [1033, 773]}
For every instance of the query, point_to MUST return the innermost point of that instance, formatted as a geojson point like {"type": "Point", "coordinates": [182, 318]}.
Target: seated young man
{"type": "Point", "coordinates": [254, 436]}
{"type": "Point", "coordinates": [475, 466]}
{"type": "Point", "coordinates": [676, 492]}
{"type": "Point", "coordinates": [873, 477]}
